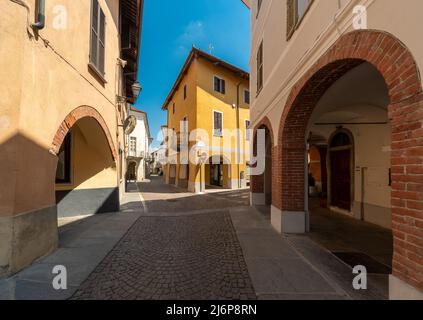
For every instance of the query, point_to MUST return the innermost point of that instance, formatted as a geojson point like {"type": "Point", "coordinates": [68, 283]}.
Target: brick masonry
{"type": "Point", "coordinates": [257, 182]}
{"type": "Point", "coordinates": [71, 119]}
{"type": "Point", "coordinates": [397, 65]}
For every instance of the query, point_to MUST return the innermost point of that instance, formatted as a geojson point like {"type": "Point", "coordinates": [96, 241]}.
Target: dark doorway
{"type": "Point", "coordinates": [132, 175]}
{"type": "Point", "coordinates": [216, 175]}
{"type": "Point", "coordinates": [341, 167]}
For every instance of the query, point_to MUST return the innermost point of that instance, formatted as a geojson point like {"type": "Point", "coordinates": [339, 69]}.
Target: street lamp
{"type": "Point", "coordinates": [136, 89]}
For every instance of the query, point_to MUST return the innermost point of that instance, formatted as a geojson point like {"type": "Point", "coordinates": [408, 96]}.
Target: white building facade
{"type": "Point", "coordinates": [138, 147]}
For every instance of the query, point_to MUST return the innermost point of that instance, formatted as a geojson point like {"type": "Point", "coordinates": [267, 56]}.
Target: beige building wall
{"type": "Point", "coordinates": [44, 76]}
{"type": "Point", "coordinates": [287, 61]}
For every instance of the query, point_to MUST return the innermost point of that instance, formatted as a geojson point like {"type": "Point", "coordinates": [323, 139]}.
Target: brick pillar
{"type": "Point", "coordinates": [407, 190]}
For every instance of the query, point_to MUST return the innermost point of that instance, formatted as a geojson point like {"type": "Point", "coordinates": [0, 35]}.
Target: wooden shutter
{"type": "Point", "coordinates": [216, 84]}
{"type": "Point", "coordinates": [101, 41]}
{"type": "Point", "coordinates": [218, 123]}
{"type": "Point", "coordinates": [260, 68]}
{"type": "Point", "coordinates": [94, 32]}
{"type": "Point", "coordinates": [291, 17]}
{"type": "Point", "coordinates": [223, 84]}
{"type": "Point", "coordinates": [98, 37]}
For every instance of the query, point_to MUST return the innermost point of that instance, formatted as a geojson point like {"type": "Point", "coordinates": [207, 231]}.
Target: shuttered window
{"type": "Point", "coordinates": [217, 124]}
{"type": "Point", "coordinates": [219, 85]}
{"type": "Point", "coordinates": [296, 10]}
{"type": "Point", "coordinates": [98, 37]}
{"type": "Point", "coordinates": [247, 130]}
{"type": "Point", "coordinates": [247, 96]}
{"type": "Point", "coordinates": [260, 68]}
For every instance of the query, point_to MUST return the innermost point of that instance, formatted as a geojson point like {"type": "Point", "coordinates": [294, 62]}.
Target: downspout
{"type": "Point", "coordinates": [41, 15]}
{"type": "Point", "coordinates": [238, 135]}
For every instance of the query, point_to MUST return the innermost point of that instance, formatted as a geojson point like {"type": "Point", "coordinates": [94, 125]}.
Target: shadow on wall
{"type": "Point", "coordinates": [28, 217]}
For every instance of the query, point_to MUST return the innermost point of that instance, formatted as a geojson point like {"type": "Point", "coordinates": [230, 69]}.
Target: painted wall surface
{"type": "Point", "coordinates": [198, 108]}
{"type": "Point", "coordinates": [286, 61]}
{"type": "Point", "coordinates": [142, 134]}
{"type": "Point", "coordinates": [48, 83]}
{"type": "Point", "coordinates": [42, 79]}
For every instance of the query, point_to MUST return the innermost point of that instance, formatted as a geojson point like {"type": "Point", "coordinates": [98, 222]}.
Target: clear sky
{"type": "Point", "coordinates": [170, 28]}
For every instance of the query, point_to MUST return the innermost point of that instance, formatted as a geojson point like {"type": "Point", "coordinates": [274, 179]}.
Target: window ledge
{"type": "Point", "coordinates": [97, 72]}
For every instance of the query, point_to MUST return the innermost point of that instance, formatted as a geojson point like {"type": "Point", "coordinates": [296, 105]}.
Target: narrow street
{"type": "Point", "coordinates": [167, 243]}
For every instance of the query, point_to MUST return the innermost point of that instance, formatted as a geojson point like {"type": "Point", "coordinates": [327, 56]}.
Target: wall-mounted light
{"type": "Point", "coordinates": [136, 89]}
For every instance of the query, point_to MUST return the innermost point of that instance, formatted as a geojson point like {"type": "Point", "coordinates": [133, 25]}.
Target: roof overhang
{"type": "Point", "coordinates": [195, 54]}
{"type": "Point", "coordinates": [131, 21]}
{"type": "Point", "coordinates": [247, 3]}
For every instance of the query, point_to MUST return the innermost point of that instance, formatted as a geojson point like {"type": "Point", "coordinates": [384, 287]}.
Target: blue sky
{"type": "Point", "coordinates": [170, 28]}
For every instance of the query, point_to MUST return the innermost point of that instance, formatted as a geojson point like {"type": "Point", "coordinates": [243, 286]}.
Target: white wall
{"type": "Point", "coordinates": [143, 144]}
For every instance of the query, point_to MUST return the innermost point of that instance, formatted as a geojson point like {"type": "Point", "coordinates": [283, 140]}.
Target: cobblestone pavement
{"type": "Point", "coordinates": [174, 257]}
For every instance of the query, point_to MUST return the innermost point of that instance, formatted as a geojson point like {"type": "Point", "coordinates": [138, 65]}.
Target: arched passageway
{"type": "Point", "coordinates": [86, 176]}
{"type": "Point", "coordinates": [261, 193]}
{"type": "Point", "coordinates": [382, 131]}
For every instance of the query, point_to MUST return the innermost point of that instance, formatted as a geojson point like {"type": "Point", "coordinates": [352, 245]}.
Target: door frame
{"type": "Point", "coordinates": [351, 147]}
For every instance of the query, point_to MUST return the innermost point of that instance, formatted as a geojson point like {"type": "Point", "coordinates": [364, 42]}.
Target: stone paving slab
{"type": "Point", "coordinates": [195, 257]}
{"type": "Point", "coordinates": [277, 270]}
{"type": "Point", "coordinates": [82, 247]}
{"type": "Point", "coordinates": [337, 270]}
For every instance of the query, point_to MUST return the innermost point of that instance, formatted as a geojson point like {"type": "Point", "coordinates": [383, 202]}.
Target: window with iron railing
{"type": "Point", "coordinates": [133, 146]}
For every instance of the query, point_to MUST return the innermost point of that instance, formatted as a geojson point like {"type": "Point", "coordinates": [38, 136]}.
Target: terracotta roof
{"type": "Point", "coordinates": [195, 54]}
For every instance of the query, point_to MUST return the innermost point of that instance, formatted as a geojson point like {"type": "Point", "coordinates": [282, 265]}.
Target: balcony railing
{"type": "Point", "coordinates": [136, 154]}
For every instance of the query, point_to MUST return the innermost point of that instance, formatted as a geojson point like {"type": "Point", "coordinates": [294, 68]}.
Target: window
{"type": "Point", "coordinates": [219, 85]}
{"type": "Point", "coordinates": [247, 96]}
{"type": "Point", "coordinates": [217, 124]}
{"type": "Point", "coordinates": [173, 108]}
{"type": "Point", "coordinates": [133, 146]}
{"type": "Point", "coordinates": [260, 68]}
{"type": "Point", "coordinates": [296, 10]}
{"type": "Point", "coordinates": [247, 130]}
{"type": "Point", "coordinates": [63, 170]}
{"type": "Point", "coordinates": [97, 45]}
{"type": "Point", "coordinates": [185, 92]}
{"type": "Point", "coordinates": [341, 139]}
{"type": "Point", "coordinates": [184, 126]}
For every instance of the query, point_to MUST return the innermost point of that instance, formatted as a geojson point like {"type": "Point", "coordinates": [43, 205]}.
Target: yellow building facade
{"type": "Point", "coordinates": [66, 71]}
{"type": "Point", "coordinates": [212, 98]}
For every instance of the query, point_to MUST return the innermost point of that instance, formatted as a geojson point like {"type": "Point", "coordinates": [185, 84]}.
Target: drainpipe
{"type": "Point", "coordinates": [238, 135]}
{"type": "Point", "coordinates": [41, 16]}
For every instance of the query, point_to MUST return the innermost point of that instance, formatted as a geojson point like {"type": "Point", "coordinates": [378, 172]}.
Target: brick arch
{"type": "Point", "coordinates": [399, 69]}
{"type": "Point", "coordinates": [257, 182]}
{"type": "Point", "coordinates": [71, 119]}
{"type": "Point", "coordinates": [265, 122]}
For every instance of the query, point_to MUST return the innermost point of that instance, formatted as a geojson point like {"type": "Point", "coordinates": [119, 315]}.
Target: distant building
{"type": "Point", "coordinates": [213, 96]}
{"type": "Point", "coordinates": [138, 147]}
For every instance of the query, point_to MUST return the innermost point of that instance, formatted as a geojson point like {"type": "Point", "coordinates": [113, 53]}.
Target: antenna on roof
{"type": "Point", "coordinates": [211, 48]}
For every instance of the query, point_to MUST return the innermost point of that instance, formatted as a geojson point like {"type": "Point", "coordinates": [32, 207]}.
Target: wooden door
{"type": "Point", "coordinates": [340, 162]}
